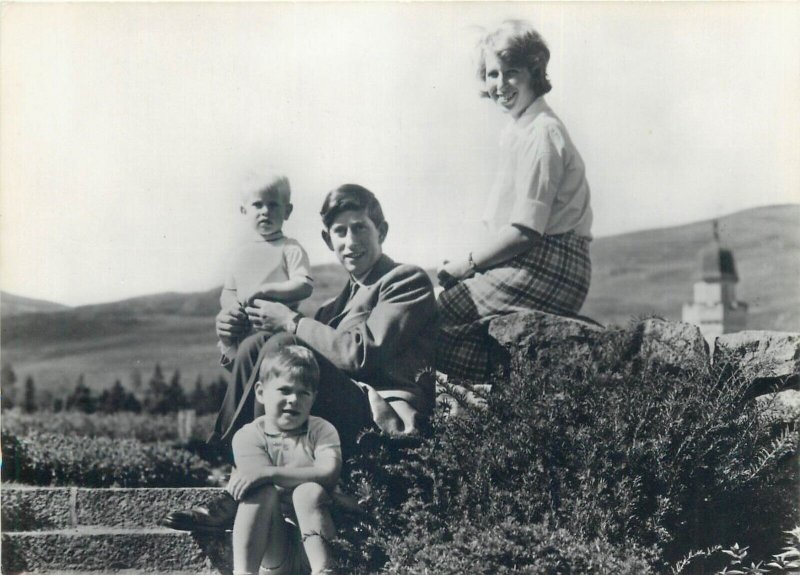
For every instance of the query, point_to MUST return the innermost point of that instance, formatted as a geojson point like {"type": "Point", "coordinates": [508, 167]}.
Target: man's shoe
{"type": "Point", "coordinates": [217, 516]}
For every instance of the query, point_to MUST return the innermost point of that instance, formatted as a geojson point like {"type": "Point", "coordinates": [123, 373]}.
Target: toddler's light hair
{"type": "Point", "coordinates": [266, 178]}
{"type": "Point", "coordinates": [293, 362]}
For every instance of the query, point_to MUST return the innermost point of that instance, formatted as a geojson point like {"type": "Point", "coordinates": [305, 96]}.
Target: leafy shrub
{"type": "Point", "coordinates": [731, 561]}
{"type": "Point", "coordinates": [513, 548]}
{"type": "Point", "coordinates": [53, 459]}
{"type": "Point", "coordinates": [123, 425]}
{"type": "Point", "coordinates": [612, 451]}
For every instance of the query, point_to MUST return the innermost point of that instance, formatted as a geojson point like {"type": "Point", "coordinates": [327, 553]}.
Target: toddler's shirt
{"type": "Point", "coordinates": [255, 448]}
{"type": "Point", "coordinates": [259, 262]}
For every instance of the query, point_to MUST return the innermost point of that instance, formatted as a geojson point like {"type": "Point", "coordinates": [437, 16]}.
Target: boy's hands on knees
{"type": "Point", "coordinates": [243, 481]}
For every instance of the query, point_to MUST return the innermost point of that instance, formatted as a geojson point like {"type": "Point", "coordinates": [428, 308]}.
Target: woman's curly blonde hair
{"type": "Point", "coordinates": [518, 44]}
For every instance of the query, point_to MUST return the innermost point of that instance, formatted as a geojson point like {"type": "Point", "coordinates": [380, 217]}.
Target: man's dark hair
{"type": "Point", "coordinates": [351, 197]}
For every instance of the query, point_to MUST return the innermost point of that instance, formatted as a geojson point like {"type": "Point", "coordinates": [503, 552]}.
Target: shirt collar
{"type": "Point", "coordinates": [302, 430]}
{"type": "Point", "coordinates": [375, 272]}
{"type": "Point", "coordinates": [527, 117]}
{"type": "Point", "coordinates": [365, 280]}
{"type": "Point", "coordinates": [259, 238]}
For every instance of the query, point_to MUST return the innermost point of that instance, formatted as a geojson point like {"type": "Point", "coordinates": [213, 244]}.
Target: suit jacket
{"type": "Point", "coordinates": [383, 335]}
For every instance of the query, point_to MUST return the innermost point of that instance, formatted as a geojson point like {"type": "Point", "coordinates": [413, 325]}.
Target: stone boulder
{"type": "Point", "coordinates": [528, 335]}
{"type": "Point", "coordinates": [675, 345]}
{"type": "Point", "coordinates": [783, 406]}
{"type": "Point", "coordinates": [770, 358]}
{"type": "Point", "coordinates": [533, 335]}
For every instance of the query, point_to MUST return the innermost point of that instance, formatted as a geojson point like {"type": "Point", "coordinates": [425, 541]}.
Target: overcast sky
{"type": "Point", "coordinates": [126, 128]}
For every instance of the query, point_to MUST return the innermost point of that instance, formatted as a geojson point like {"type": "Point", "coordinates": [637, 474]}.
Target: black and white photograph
{"type": "Point", "coordinates": [400, 288]}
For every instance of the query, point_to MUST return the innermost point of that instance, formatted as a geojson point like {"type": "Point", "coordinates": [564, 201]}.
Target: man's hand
{"type": "Point", "coordinates": [270, 316]}
{"type": "Point", "coordinates": [450, 273]}
{"type": "Point", "coordinates": [231, 325]}
{"type": "Point", "coordinates": [243, 481]}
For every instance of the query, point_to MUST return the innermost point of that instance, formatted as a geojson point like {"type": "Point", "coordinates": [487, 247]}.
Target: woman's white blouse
{"type": "Point", "coordinates": [541, 184]}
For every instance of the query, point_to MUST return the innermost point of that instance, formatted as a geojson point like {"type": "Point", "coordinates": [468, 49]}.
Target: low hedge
{"type": "Point", "coordinates": [124, 425]}
{"type": "Point", "coordinates": [53, 459]}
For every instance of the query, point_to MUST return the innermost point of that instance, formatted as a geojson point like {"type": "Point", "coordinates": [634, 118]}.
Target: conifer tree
{"type": "Point", "coordinates": [215, 394]}
{"type": "Point", "coordinates": [29, 399]}
{"type": "Point", "coordinates": [113, 400]}
{"type": "Point", "coordinates": [8, 390]}
{"type": "Point", "coordinates": [156, 396]}
{"type": "Point", "coordinates": [197, 397]}
{"type": "Point", "coordinates": [81, 398]}
{"type": "Point", "coordinates": [176, 397]}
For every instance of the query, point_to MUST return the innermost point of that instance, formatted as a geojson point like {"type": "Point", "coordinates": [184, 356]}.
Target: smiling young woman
{"type": "Point", "coordinates": [538, 209]}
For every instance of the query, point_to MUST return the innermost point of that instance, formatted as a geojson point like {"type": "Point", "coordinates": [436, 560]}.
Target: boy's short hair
{"type": "Point", "coordinates": [293, 361]}
{"type": "Point", "coordinates": [518, 44]}
{"type": "Point", "coordinates": [351, 197]}
{"type": "Point", "coordinates": [266, 179]}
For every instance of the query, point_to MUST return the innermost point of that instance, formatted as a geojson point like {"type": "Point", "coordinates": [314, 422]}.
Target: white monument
{"type": "Point", "coordinates": [714, 307]}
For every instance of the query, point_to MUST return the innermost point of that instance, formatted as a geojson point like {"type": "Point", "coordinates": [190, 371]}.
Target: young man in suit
{"type": "Point", "coordinates": [372, 341]}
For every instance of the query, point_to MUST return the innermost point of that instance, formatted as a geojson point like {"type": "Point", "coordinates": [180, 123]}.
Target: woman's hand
{"type": "Point", "coordinates": [450, 273]}
{"type": "Point", "coordinates": [230, 325]}
{"type": "Point", "coordinates": [270, 316]}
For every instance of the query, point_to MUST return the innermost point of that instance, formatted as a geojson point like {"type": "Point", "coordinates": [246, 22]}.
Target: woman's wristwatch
{"type": "Point", "coordinates": [472, 264]}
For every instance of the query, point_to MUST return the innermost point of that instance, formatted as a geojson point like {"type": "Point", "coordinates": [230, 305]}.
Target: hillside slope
{"type": "Point", "coordinates": [653, 271]}
{"type": "Point", "coordinates": [641, 273]}
{"type": "Point", "coordinates": [11, 304]}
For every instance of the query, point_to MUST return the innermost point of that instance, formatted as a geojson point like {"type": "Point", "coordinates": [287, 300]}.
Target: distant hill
{"type": "Point", "coordinates": [641, 273]}
{"type": "Point", "coordinates": [11, 304]}
{"type": "Point", "coordinates": [652, 272]}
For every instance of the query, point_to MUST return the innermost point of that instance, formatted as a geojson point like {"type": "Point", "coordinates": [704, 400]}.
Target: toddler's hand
{"type": "Point", "coordinates": [270, 316]}
{"type": "Point", "coordinates": [231, 324]}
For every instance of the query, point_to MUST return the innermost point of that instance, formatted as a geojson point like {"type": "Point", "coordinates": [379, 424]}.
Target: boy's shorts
{"type": "Point", "coordinates": [296, 560]}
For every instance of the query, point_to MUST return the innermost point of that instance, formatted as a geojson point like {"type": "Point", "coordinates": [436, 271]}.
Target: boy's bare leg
{"type": "Point", "coordinates": [312, 506]}
{"type": "Point", "coordinates": [259, 532]}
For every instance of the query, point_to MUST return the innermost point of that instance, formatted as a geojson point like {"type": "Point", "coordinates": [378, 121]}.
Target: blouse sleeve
{"type": "Point", "coordinates": [537, 178]}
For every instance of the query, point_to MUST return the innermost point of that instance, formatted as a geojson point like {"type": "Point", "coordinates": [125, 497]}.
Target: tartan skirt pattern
{"type": "Point", "coordinates": [553, 277]}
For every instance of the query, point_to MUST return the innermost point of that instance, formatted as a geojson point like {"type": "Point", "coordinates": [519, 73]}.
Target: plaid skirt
{"type": "Point", "coordinates": [553, 277]}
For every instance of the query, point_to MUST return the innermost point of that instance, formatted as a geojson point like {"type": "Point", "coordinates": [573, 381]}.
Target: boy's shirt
{"type": "Point", "coordinates": [254, 447]}
{"type": "Point", "coordinates": [259, 262]}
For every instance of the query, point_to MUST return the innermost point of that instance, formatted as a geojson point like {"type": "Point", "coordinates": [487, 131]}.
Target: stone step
{"type": "Point", "coordinates": [26, 508]}
{"type": "Point", "coordinates": [114, 550]}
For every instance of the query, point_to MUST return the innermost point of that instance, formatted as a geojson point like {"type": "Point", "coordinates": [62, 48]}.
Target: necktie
{"type": "Point", "coordinates": [353, 289]}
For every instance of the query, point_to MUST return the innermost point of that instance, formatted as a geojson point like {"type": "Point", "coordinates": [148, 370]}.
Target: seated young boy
{"type": "Point", "coordinates": [269, 266]}
{"type": "Point", "coordinates": [287, 467]}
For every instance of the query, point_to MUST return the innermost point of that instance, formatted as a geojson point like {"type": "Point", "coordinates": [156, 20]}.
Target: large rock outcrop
{"type": "Point", "coordinates": [770, 360]}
